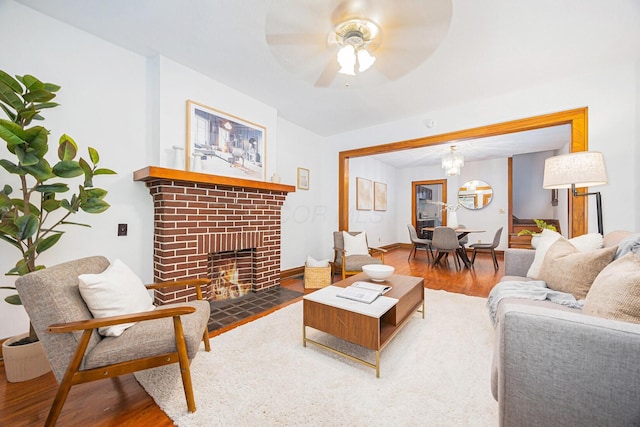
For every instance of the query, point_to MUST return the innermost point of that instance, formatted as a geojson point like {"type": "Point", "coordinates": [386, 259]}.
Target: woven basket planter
{"type": "Point", "coordinates": [317, 277]}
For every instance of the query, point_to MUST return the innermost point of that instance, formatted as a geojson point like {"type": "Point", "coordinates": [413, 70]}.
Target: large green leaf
{"type": "Point", "coordinates": [9, 97]}
{"type": "Point", "coordinates": [19, 204]}
{"type": "Point", "coordinates": [9, 237]}
{"type": "Point", "coordinates": [51, 87]}
{"type": "Point", "coordinates": [7, 189]}
{"type": "Point", "coordinates": [5, 202]}
{"type": "Point", "coordinates": [13, 299]}
{"type": "Point", "coordinates": [50, 205]}
{"type": "Point", "coordinates": [43, 105]}
{"type": "Point", "coordinates": [67, 169]}
{"type": "Point", "coordinates": [59, 187]}
{"type": "Point", "coordinates": [42, 171]}
{"type": "Point", "coordinates": [31, 82]}
{"type": "Point", "coordinates": [8, 112]}
{"type": "Point", "coordinates": [104, 171]}
{"type": "Point", "coordinates": [27, 226]}
{"type": "Point", "coordinates": [20, 269]}
{"type": "Point", "coordinates": [66, 204]}
{"type": "Point", "coordinates": [26, 157]}
{"type": "Point", "coordinates": [12, 167]}
{"type": "Point", "coordinates": [48, 242]}
{"type": "Point", "coordinates": [94, 156]}
{"type": "Point", "coordinates": [10, 82]}
{"type": "Point", "coordinates": [94, 206]}
{"type": "Point", "coordinates": [40, 95]}
{"type": "Point", "coordinates": [12, 133]}
{"type": "Point", "coordinates": [67, 150]}
{"type": "Point", "coordinates": [96, 193]}
{"type": "Point", "coordinates": [37, 138]}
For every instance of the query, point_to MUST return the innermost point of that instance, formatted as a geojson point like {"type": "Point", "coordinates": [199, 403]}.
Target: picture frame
{"type": "Point", "coordinates": [379, 196]}
{"type": "Point", "coordinates": [303, 179]}
{"type": "Point", "coordinates": [222, 144]}
{"type": "Point", "coordinates": [364, 200]}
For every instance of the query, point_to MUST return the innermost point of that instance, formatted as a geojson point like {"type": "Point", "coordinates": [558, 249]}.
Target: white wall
{"type": "Point", "coordinates": [611, 94]}
{"type": "Point", "coordinates": [103, 105]}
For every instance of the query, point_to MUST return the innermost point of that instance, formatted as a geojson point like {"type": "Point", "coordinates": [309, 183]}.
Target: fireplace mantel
{"type": "Point", "coordinates": [151, 173]}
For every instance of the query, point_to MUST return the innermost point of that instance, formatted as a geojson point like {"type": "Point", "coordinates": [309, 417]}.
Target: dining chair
{"type": "Point", "coordinates": [445, 241]}
{"type": "Point", "coordinates": [491, 247]}
{"type": "Point", "coordinates": [417, 242]}
{"type": "Point", "coordinates": [463, 241]}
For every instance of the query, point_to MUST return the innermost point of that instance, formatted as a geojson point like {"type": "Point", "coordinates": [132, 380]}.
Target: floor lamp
{"type": "Point", "coordinates": [577, 170]}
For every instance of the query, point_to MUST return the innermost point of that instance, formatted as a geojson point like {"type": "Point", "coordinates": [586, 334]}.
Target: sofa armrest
{"type": "Point", "coordinates": [518, 261]}
{"type": "Point", "coordinates": [560, 368]}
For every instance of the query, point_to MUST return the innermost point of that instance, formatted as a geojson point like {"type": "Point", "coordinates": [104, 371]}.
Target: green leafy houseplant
{"type": "Point", "coordinates": [541, 226]}
{"type": "Point", "coordinates": [32, 217]}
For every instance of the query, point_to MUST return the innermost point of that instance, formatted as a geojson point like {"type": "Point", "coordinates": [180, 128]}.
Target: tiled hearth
{"type": "Point", "coordinates": [222, 228]}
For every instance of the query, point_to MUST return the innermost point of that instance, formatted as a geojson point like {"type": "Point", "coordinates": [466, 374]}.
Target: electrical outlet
{"type": "Point", "coordinates": [122, 229]}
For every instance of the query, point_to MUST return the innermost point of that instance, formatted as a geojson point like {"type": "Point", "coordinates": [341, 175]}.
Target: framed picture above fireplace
{"type": "Point", "coordinates": [222, 144]}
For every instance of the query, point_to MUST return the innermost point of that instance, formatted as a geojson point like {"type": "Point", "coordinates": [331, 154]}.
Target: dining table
{"type": "Point", "coordinates": [461, 232]}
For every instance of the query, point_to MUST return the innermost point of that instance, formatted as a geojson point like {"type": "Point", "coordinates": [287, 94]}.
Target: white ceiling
{"type": "Point", "coordinates": [491, 47]}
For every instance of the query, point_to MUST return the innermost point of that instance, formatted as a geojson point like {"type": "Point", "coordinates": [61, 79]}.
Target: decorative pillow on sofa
{"type": "Point", "coordinates": [615, 294]}
{"type": "Point", "coordinates": [586, 242]}
{"type": "Point", "coordinates": [115, 291]}
{"type": "Point", "coordinates": [566, 269]}
{"type": "Point", "coordinates": [355, 245]}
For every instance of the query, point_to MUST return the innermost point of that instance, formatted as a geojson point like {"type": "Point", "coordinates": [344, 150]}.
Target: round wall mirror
{"type": "Point", "coordinates": [475, 194]}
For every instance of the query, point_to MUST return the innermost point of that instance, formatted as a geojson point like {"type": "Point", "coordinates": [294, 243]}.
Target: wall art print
{"type": "Point", "coordinates": [222, 144]}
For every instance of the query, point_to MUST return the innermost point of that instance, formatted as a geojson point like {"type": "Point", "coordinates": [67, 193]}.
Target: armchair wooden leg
{"type": "Point", "coordinates": [183, 359]}
{"type": "Point", "coordinates": [205, 339]}
{"type": "Point", "coordinates": [67, 380]}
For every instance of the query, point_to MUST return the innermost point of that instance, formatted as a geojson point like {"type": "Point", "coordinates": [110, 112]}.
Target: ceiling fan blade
{"type": "Point", "coordinates": [293, 39]}
{"type": "Point", "coordinates": [328, 74]}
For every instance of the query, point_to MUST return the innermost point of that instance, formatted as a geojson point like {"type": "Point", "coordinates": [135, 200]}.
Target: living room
{"type": "Point", "coordinates": [131, 106]}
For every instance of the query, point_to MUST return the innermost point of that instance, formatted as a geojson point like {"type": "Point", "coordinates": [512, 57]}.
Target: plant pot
{"type": "Point", "coordinates": [24, 362]}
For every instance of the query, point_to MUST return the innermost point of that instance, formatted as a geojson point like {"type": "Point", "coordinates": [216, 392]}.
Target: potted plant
{"type": "Point", "coordinates": [542, 225]}
{"type": "Point", "coordinates": [33, 217]}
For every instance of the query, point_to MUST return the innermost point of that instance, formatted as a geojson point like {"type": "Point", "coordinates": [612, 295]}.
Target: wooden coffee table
{"type": "Point", "coordinates": [369, 325]}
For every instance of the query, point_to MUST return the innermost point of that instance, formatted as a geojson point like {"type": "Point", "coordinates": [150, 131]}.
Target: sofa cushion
{"type": "Point", "coordinates": [586, 242]}
{"type": "Point", "coordinates": [566, 269]}
{"type": "Point", "coordinates": [615, 293]}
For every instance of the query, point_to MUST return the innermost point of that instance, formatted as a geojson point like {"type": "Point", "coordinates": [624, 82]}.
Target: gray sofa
{"type": "Point", "coordinates": [555, 366]}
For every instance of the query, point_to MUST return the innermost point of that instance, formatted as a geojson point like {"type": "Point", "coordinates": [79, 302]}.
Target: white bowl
{"type": "Point", "coordinates": [378, 272]}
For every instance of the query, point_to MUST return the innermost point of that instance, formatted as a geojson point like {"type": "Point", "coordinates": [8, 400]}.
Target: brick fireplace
{"type": "Point", "coordinates": [225, 229]}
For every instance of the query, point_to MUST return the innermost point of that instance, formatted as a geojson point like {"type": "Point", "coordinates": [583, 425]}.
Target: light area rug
{"type": "Point", "coordinates": [435, 372]}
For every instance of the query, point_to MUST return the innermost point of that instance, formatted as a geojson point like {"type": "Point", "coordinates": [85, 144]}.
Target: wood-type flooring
{"type": "Point", "coordinates": [123, 402]}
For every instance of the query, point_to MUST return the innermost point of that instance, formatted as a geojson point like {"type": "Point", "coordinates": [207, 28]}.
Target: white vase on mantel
{"type": "Point", "coordinates": [452, 219]}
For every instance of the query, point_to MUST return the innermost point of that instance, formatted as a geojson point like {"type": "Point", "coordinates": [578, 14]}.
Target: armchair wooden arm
{"type": "Point", "coordinates": [198, 283]}
{"type": "Point", "coordinates": [116, 320]}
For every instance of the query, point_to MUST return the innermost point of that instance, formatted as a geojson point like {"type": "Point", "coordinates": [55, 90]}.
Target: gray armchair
{"type": "Point", "coordinates": [78, 354]}
{"type": "Point", "coordinates": [352, 264]}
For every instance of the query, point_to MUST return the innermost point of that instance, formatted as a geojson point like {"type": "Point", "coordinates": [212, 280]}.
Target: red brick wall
{"type": "Point", "coordinates": [192, 220]}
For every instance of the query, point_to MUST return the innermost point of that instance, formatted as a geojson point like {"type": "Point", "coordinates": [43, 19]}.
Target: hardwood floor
{"type": "Point", "coordinates": [123, 402]}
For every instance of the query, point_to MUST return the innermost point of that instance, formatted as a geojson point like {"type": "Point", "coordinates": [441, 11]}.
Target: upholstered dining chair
{"type": "Point", "coordinates": [445, 242]}
{"type": "Point", "coordinates": [76, 351]}
{"type": "Point", "coordinates": [463, 241]}
{"type": "Point", "coordinates": [491, 247]}
{"type": "Point", "coordinates": [417, 242]}
{"type": "Point", "coordinates": [349, 256]}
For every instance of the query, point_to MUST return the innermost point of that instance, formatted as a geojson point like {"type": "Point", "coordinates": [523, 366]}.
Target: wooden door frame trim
{"type": "Point", "coordinates": [414, 184]}
{"type": "Point", "coordinates": [577, 118]}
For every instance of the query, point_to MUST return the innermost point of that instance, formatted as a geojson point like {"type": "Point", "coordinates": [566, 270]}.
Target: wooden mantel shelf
{"type": "Point", "coordinates": [151, 173]}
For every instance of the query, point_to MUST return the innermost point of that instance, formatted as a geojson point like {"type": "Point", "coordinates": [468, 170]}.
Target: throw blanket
{"type": "Point", "coordinates": [534, 290]}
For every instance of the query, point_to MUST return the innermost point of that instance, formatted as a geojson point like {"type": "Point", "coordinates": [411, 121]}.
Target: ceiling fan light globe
{"type": "Point", "coordinates": [347, 60]}
{"type": "Point", "coordinates": [365, 60]}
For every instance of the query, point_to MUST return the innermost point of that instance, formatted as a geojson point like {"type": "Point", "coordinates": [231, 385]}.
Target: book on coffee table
{"type": "Point", "coordinates": [363, 291]}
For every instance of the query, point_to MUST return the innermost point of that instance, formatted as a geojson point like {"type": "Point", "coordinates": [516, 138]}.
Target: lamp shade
{"type": "Point", "coordinates": [582, 169]}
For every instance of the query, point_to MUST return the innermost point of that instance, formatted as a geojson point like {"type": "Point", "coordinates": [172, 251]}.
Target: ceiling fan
{"type": "Point", "coordinates": [333, 43]}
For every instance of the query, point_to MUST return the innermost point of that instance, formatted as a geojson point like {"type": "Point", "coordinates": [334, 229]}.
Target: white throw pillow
{"type": "Point", "coordinates": [355, 245]}
{"type": "Point", "coordinates": [115, 291]}
{"type": "Point", "coordinates": [584, 243]}
{"type": "Point", "coordinates": [311, 262]}
{"type": "Point", "coordinates": [547, 239]}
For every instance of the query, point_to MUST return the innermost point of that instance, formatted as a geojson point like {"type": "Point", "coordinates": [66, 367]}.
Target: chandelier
{"type": "Point", "coordinates": [452, 163]}
{"type": "Point", "coordinates": [354, 36]}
